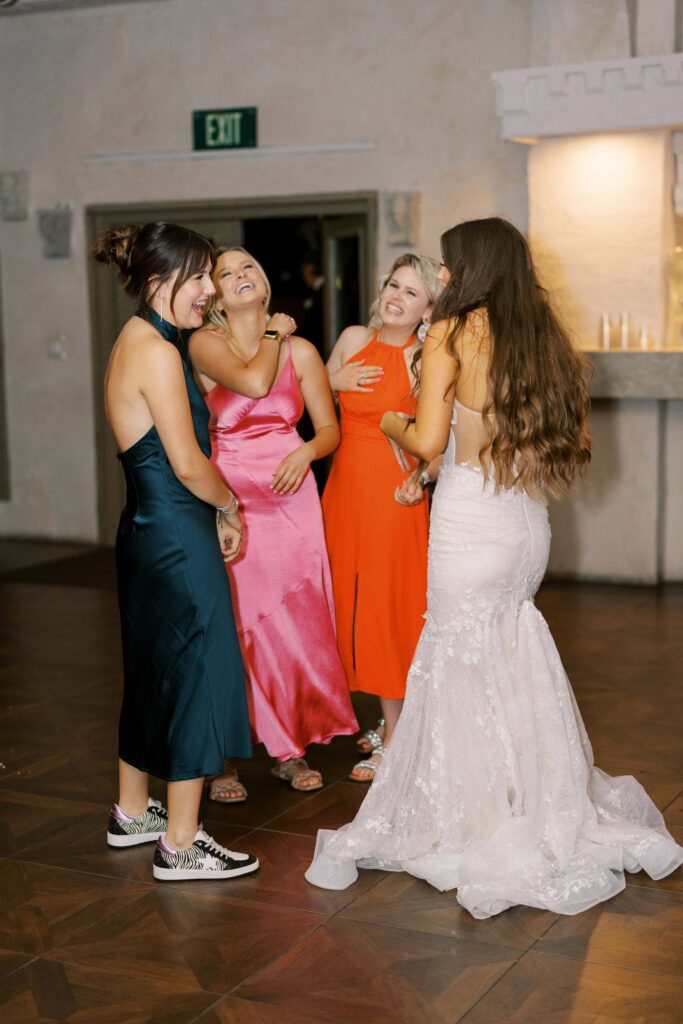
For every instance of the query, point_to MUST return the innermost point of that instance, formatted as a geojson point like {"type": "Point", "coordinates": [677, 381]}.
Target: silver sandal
{"type": "Point", "coordinates": [372, 737]}
{"type": "Point", "coordinates": [371, 766]}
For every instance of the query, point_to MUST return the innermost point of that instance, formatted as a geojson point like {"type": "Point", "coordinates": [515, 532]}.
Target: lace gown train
{"type": "Point", "coordinates": [489, 786]}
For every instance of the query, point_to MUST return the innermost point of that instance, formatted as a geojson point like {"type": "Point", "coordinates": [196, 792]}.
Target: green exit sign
{"type": "Point", "coordinates": [224, 129]}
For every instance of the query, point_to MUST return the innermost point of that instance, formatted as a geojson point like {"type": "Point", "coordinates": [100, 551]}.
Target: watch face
{"type": "Point", "coordinates": [272, 334]}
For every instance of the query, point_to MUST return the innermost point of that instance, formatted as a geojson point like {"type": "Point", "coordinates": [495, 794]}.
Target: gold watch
{"type": "Point", "coordinates": [273, 335]}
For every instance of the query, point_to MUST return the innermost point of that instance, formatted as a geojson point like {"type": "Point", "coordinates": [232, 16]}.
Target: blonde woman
{"type": "Point", "coordinates": [257, 378]}
{"type": "Point", "coordinates": [376, 518]}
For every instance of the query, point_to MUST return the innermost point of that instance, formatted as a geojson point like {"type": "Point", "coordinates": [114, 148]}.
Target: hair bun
{"type": "Point", "coordinates": [115, 245]}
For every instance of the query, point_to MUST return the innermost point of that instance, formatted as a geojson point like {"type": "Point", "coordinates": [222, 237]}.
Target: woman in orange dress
{"type": "Point", "coordinates": [376, 516]}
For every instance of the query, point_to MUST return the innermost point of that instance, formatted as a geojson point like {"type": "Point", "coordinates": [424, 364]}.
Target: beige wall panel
{"type": "Point", "coordinates": [607, 530]}
{"type": "Point", "coordinates": [672, 525]}
{"type": "Point", "coordinates": [599, 208]}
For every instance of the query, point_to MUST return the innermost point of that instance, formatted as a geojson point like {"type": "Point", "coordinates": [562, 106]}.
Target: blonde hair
{"type": "Point", "coordinates": [427, 271]}
{"type": "Point", "coordinates": [219, 318]}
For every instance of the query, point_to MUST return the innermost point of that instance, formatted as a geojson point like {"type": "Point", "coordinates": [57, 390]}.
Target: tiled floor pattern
{"type": "Point", "coordinates": [87, 936]}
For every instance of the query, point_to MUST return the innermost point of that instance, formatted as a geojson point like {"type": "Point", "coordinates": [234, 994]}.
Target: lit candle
{"type": "Point", "coordinates": [644, 336]}
{"type": "Point", "coordinates": [624, 329]}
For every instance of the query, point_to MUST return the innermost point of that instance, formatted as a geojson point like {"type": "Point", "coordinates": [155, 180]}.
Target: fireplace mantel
{"type": "Point", "coordinates": [622, 94]}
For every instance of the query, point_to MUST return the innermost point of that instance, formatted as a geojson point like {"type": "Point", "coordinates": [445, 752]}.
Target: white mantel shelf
{"type": "Point", "coordinates": [656, 374]}
{"type": "Point", "coordinates": [623, 94]}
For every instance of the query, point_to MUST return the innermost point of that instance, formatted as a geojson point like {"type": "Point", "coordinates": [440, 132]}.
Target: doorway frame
{"type": "Point", "coordinates": [5, 490]}
{"type": "Point", "coordinates": [100, 216]}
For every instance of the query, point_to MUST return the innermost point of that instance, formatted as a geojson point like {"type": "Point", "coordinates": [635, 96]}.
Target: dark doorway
{"type": "Point", "coordinates": [316, 270]}
{"type": "Point", "coordinates": [290, 250]}
{"type": "Point", "coordinates": [318, 253]}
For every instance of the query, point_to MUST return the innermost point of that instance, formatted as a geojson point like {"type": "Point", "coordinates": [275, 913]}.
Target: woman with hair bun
{"type": "Point", "coordinates": [184, 705]}
{"type": "Point", "coordinates": [489, 786]}
{"type": "Point", "coordinates": [376, 515]}
{"type": "Point", "coordinates": [258, 377]}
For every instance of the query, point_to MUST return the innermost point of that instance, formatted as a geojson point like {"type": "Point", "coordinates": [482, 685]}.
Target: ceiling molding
{"type": "Point", "coordinates": [17, 8]}
{"type": "Point", "coordinates": [623, 94]}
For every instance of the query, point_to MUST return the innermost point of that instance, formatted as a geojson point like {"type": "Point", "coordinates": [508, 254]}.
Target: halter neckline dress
{"type": "Point", "coordinates": [184, 702]}
{"type": "Point", "coordinates": [378, 548]}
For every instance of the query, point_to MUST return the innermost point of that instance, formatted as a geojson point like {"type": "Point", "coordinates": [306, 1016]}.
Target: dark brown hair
{"type": "Point", "coordinates": [154, 251]}
{"type": "Point", "coordinates": [538, 395]}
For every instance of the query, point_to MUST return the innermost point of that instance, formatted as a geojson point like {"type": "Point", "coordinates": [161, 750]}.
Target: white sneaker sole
{"type": "Point", "coordinates": [136, 840]}
{"type": "Point", "coordinates": [187, 874]}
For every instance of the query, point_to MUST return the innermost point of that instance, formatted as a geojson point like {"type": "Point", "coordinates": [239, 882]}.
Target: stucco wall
{"type": "Point", "coordinates": [598, 225]}
{"type": "Point", "coordinates": [415, 82]}
{"type": "Point", "coordinates": [600, 214]}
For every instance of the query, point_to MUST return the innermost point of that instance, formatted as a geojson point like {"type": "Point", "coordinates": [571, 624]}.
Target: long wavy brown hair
{"type": "Point", "coordinates": [538, 392]}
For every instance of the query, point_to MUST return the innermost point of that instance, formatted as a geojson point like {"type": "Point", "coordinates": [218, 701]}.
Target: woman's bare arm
{"type": "Point", "coordinates": [213, 358]}
{"type": "Point", "coordinates": [217, 363]}
{"type": "Point", "coordinates": [428, 435]}
{"type": "Point", "coordinates": [315, 389]}
{"type": "Point", "coordinates": [162, 385]}
{"type": "Point", "coordinates": [317, 395]}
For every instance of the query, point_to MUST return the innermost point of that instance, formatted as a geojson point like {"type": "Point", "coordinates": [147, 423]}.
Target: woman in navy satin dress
{"type": "Point", "coordinates": [184, 705]}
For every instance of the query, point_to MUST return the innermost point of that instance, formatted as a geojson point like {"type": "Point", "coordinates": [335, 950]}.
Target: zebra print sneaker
{"type": "Point", "coordinates": [204, 859]}
{"type": "Point", "coordinates": [146, 828]}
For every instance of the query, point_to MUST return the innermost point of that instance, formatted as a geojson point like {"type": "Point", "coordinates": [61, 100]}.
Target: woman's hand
{"type": "Point", "coordinates": [355, 377]}
{"type": "Point", "coordinates": [290, 474]}
{"type": "Point", "coordinates": [410, 492]}
{"type": "Point", "coordinates": [229, 530]}
{"type": "Point", "coordinates": [282, 323]}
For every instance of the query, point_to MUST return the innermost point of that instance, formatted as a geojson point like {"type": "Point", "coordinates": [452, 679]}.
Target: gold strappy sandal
{"type": "Point", "coordinates": [286, 771]}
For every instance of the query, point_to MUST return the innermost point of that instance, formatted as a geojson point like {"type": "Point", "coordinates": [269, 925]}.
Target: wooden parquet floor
{"type": "Point", "coordinates": [86, 935]}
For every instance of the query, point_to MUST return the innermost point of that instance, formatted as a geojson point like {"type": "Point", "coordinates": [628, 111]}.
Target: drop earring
{"type": "Point", "coordinates": [422, 330]}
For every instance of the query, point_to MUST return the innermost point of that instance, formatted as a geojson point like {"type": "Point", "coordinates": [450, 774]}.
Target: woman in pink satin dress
{"type": "Point", "coordinates": [257, 379]}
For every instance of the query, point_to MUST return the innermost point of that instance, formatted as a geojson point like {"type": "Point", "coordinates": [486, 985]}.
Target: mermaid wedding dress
{"type": "Point", "coordinates": [489, 786]}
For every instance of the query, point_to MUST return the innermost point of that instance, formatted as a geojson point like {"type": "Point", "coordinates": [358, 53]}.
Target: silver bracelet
{"type": "Point", "coordinates": [226, 510]}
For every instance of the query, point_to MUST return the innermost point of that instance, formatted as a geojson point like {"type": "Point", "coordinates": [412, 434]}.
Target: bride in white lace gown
{"type": "Point", "coordinates": [489, 786]}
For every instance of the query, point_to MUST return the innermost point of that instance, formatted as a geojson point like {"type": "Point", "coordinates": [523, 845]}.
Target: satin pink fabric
{"type": "Point", "coordinates": [281, 583]}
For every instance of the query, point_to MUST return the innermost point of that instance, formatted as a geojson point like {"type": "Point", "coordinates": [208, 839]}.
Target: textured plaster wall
{"type": "Point", "coordinates": [608, 530]}
{"type": "Point", "coordinates": [672, 519]}
{"type": "Point", "coordinates": [599, 210]}
{"type": "Point", "coordinates": [625, 521]}
{"type": "Point", "coordinates": [600, 215]}
{"type": "Point", "coordinates": [125, 80]}
{"type": "Point", "coordinates": [564, 31]}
